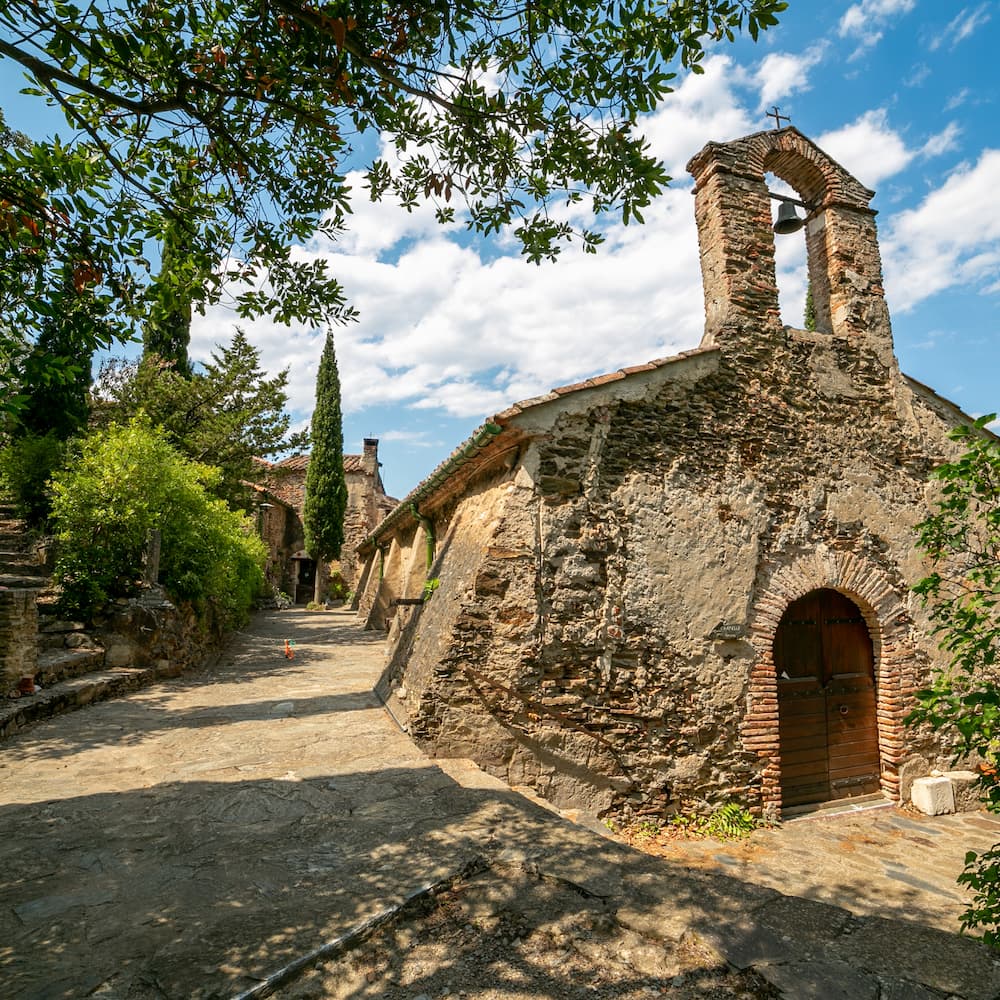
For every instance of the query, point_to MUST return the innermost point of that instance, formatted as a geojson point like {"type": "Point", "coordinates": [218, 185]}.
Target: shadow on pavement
{"type": "Point", "coordinates": [190, 889]}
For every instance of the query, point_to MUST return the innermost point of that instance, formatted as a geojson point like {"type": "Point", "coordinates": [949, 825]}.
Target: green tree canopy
{"type": "Point", "coordinates": [502, 109]}
{"type": "Point", "coordinates": [127, 481]}
{"type": "Point", "coordinates": [226, 415]}
{"type": "Point", "coordinates": [326, 489]}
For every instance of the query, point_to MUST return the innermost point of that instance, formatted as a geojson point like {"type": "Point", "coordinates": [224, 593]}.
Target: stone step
{"type": "Point", "coordinates": [56, 665]}
{"type": "Point", "coordinates": [8, 559]}
{"type": "Point", "coordinates": [77, 692]}
{"type": "Point", "coordinates": [23, 580]}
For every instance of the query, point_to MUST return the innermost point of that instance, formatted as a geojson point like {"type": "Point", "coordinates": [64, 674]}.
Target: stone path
{"type": "Point", "coordinates": [874, 862]}
{"type": "Point", "coordinates": [189, 839]}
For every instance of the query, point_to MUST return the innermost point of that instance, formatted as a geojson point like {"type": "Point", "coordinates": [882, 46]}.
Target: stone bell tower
{"type": "Point", "coordinates": [733, 213]}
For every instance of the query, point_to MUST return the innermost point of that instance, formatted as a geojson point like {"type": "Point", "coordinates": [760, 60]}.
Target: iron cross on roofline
{"type": "Point", "coordinates": [778, 118]}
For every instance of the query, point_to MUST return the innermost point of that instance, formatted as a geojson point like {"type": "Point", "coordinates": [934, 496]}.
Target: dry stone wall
{"type": "Point", "coordinates": [570, 646]}
{"type": "Point", "coordinates": [18, 629]}
{"type": "Point", "coordinates": [609, 601]}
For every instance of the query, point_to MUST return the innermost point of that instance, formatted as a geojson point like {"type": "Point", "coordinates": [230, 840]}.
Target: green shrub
{"type": "Point", "coordinates": [26, 466]}
{"type": "Point", "coordinates": [128, 481]}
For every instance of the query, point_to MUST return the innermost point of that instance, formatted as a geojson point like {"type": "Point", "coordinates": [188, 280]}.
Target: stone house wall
{"type": "Point", "coordinates": [614, 565]}
{"type": "Point", "coordinates": [282, 494]}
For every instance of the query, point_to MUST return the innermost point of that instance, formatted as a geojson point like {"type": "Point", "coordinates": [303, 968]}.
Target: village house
{"type": "Point", "coordinates": [688, 581]}
{"type": "Point", "coordinates": [281, 494]}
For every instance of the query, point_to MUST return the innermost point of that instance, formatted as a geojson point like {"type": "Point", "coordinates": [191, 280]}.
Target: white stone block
{"type": "Point", "coordinates": [933, 796]}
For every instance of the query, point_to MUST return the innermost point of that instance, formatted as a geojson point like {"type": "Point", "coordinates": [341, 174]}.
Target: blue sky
{"type": "Point", "coordinates": [904, 93]}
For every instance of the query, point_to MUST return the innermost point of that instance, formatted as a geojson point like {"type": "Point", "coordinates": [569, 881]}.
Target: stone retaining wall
{"type": "Point", "coordinates": [18, 629]}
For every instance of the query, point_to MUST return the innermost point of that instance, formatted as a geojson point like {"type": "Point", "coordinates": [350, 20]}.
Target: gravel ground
{"type": "Point", "coordinates": [509, 934]}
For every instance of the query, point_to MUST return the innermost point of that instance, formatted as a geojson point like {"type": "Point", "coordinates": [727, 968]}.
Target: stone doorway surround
{"type": "Point", "coordinates": [888, 621]}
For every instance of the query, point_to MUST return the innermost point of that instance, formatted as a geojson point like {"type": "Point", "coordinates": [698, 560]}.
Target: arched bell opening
{"type": "Point", "coordinates": [737, 241]}
{"type": "Point", "coordinates": [791, 258]}
{"type": "Point", "coordinates": [824, 665]}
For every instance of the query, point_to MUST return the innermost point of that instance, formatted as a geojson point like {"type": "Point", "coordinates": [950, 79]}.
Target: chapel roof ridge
{"type": "Point", "coordinates": [594, 381]}
{"type": "Point", "coordinates": [493, 426]}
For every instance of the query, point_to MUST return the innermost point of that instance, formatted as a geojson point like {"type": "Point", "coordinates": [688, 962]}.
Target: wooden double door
{"type": "Point", "coordinates": [827, 723]}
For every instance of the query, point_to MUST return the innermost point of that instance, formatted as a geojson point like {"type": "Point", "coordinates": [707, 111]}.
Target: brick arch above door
{"type": "Point", "coordinates": [882, 605]}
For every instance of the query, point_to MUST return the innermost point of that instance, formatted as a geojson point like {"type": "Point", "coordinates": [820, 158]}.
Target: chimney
{"type": "Point", "coordinates": [369, 460]}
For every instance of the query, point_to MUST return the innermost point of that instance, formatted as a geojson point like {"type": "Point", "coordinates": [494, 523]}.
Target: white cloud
{"type": "Point", "coordinates": [943, 142]}
{"type": "Point", "coordinates": [957, 100]}
{"type": "Point", "coordinates": [443, 328]}
{"type": "Point", "coordinates": [783, 73]}
{"type": "Point", "coordinates": [864, 21]}
{"type": "Point", "coordinates": [869, 148]}
{"type": "Point", "coordinates": [371, 230]}
{"type": "Point", "coordinates": [965, 23]}
{"type": "Point", "coordinates": [702, 108]}
{"type": "Point", "coordinates": [951, 238]}
{"type": "Point", "coordinates": [872, 150]}
{"type": "Point", "coordinates": [415, 439]}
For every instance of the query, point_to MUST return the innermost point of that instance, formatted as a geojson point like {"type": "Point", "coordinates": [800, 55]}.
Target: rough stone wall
{"type": "Point", "coordinates": [153, 631]}
{"type": "Point", "coordinates": [18, 631]}
{"type": "Point", "coordinates": [359, 519]}
{"type": "Point", "coordinates": [574, 645]}
{"type": "Point", "coordinates": [282, 532]}
{"type": "Point", "coordinates": [282, 527]}
{"type": "Point", "coordinates": [577, 617]}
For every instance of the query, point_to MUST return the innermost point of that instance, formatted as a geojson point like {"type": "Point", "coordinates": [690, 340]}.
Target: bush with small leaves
{"type": "Point", "coordinates": [128, 481]}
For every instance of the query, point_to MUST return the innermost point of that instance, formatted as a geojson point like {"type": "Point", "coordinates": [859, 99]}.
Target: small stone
{"type": "Point", "coordinates": [965, 788]}
{"type": "Point", "coordinates": [118, 655]}
{"type": "Point", "coordinates": [78, 640]}
{"type": "Point", "coordinates": [933, 796]}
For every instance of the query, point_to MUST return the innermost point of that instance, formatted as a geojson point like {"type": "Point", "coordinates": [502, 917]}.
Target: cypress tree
{"type": "Point", "coordinates": [326, 489]}
{"type": "Point", "coordinates": [167, 330]}
{"type": "Point", "coordinates": [809, 319]}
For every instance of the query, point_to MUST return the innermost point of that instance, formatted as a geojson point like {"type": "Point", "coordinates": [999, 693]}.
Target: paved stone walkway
{"type": "Point", "coordinates": [190, 839]}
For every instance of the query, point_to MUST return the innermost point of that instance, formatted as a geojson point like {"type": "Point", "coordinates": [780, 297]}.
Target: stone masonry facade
{"type": "Point", "coordinates": [615, 557]}
{"type": "Point", "coordinates": [282, 495]}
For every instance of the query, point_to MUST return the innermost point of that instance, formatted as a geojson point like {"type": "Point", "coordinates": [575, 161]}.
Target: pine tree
{"type": "Point", "coordinates": [225, 415]}
{"type": "Point", "coordinates": [326, 489]}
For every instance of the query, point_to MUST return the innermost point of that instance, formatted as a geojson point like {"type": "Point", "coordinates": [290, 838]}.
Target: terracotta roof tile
{"type": "Point", "coordinates": [604, 379]}
{"type": "Point", "coordinates": [565, 390]}
{"type": "Point", "coordinates": [298, 463]}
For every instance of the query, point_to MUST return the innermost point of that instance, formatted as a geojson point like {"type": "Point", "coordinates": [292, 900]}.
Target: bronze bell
{"type": "Point", "coordinates": [788, 219]}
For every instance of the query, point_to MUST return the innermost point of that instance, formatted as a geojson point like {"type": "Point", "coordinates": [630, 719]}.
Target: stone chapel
{"type": "Point", "coordinates": [688, 581]}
